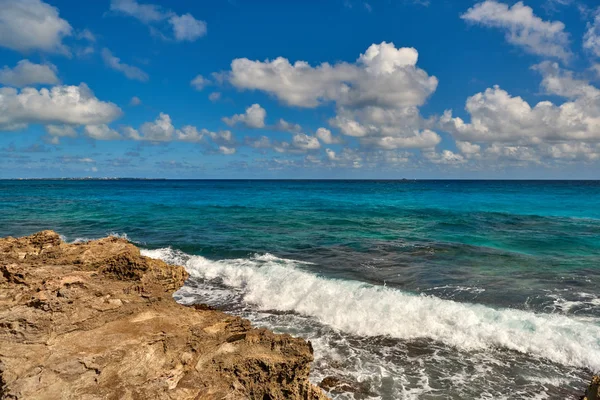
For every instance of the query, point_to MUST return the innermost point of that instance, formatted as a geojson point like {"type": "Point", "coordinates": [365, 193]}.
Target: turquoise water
{"type": "Point", "coordinates": [413, 289]}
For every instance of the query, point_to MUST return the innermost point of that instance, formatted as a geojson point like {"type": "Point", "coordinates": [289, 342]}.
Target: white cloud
{"type": "Point", "coordinates": [508, 129]}
{"type": "Point", "coordinates": [86, 51]}
{"type": "Point", "coordinates": [101, 132]}
{"type": "Point", "coordinates": [254, 117]}
{"type": "Point", "coordinates": [382, 76]}
{"type": "Point", "coordinates": [420, 139]}
{"type": "Point", "coordinates": [161, 130]}
{"type": "Point", "coordinates": [187, 28]}
{"type": "Point", "coordinates": [262, 142]}
{"type": "Point", "coordinates": [214, 96]}
{"type": "Point", "coordinates": [557, 81]}
{"type": "Point", "coordinates": [325, 136]}
{"type": "Point", "coordinates": [135, 101]}
{"type": "Point", "coordinates": [146, 13]}
{"type": "Point", "coordinates": [222, 137]}
{"type": "Point", "coordinates": [446, 157]}
{"type": "Point", "coordinates": [129, 71]}
{"type": "Point", "coordinates": [496, 116]}
{"type": "Point", "coordinates": [32, 25]}
{"type": "Point", "coordinates": [303, 141]}
{"type": "Point", "coordinates": [86, 34]}
{"type": "Point", "coordinates": [468, 149]}
{"type": "Point", "coordinates": [523, 28]}
{"type": "Point", "coordinates": [190, 133]}
{"type": "Point", "coordinates": [59, 131]}
{"type": "Point", "coordinates": [330, 154]}
{"type": "Point", "coordinates": [591, 38]}
{"type": "Point", "coordinates": [227, 150]}
{"type": "Point", "coordinates": [284, 126]}
{"type": "Point", "coordinates": [199, 82]}
{"type": "Point", "coordinates": [72, 105]}
{"type": "Point", "coordinates": [26, 73]}
{"type": "Point", "coordinates": [377, 96]}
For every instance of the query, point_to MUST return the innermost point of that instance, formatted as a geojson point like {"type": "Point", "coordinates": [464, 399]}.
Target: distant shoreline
{"type": "Point", "coordinates": [297, 179]}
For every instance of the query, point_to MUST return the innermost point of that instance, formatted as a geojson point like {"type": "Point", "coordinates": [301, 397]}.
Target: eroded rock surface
{"type": "Point", "coordinates": [97, 320]}
{"type": "Point", "coordinates": [593, 390]}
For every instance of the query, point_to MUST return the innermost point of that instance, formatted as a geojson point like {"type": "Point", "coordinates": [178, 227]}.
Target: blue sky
{"type": "Point", "coordinates": [336, 89]}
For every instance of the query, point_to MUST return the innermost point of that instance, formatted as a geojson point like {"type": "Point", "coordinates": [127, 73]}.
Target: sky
{"type": "Point", "coordinates": [387, 89]}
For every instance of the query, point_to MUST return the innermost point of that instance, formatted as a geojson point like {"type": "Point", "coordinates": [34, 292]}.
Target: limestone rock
{"type": "Point", "coordinates": [97, 320]}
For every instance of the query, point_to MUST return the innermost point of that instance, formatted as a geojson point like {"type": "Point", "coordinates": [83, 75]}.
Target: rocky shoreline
{"type": "Point", "coordinates": [97, 320]}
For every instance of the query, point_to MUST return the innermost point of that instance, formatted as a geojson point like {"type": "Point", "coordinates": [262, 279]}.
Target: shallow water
{"type": "Point", "coordinates": [412, 289]}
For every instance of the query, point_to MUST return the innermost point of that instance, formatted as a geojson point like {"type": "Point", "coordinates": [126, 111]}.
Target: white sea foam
{"type": "Point", "coordinates": [113, 234]}
{"type": "Point", "coordinates": [271, 283]}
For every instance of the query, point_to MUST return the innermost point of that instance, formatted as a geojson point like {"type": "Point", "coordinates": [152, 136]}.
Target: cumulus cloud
{"type": "Point", "coordinates": [445, 157]}
{"type": "Point", "coordinates": [468, 149]}
{"type": "Point", "coordinates": [32, 25]}
{"type": "Point", "coordinates": [129, 71]}
{"type": "Point", "coordinates": [101, 132]}
{"type": "Point", "coordinates": [303, 141]}
{"type": "Point", "coordinates": [222, 137]}
{"type": "Point", "coordinates": [496, 116]}
{"type": "Point", "coordinates": [591, 38]}
{"type": "Point", "coordinates": [26, 73]}
{"type": "Point", "coordinates": [377, 96]}
{"type": "Point", "coordinates": [254, 117]}
{"type": "Point", "coordinates": [146, 13]}
{"type": "Point", "coordinates": [522, 27]}
{"type": "Point", "coordinates": [199, 82]}
{"type": "Point", "coordinates": [185, 27]}
{"type": "Point", "coordinates": [163, 130]}
{"type": "Point", "coordinates": [325, 136]}
{"type": "Point", "coordinates": [285, 126]}
{"type": "Point", "coordinates": [512, 129]}
{"type": "Point", "coordinates": [59, 131]}
{"type": "Point", "coordinates": [227, 150]}
{"type": "Point", "coordinates": [191, 134]}
{"type": "Point", "coordinates": [159, 130]}
{"type": "Point", "coordinates": [330, 154]}
{"type": "Point", "coordinates": [420, 139]}
{"type": "Point", "coordinates": [135, 101]}
{"type": "Point", "coordinates": [261, 142]}
{"type": "Point", "coordinates": [383, 76]}
{"type": "Point", "coordinates": [71, 105]}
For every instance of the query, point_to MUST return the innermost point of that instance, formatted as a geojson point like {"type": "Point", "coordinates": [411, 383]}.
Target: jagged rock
{"type": "Point", "coordinates": [593, 390]}
{"type": "Point", "coordinates": [97, 320]}
{"type": "Point", "coordinates": [334, 384]}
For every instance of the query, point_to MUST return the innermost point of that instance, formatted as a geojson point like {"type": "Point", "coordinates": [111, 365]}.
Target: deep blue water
{"type": "Point", "coordinates": [415, 289]}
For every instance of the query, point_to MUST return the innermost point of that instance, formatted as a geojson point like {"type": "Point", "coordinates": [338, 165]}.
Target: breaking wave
{"type": "Point", "coordinates": [271, 283]}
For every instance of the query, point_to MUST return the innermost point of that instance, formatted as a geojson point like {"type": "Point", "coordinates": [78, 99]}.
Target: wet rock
{"type": "Point", "coordinates": [337, 385]}
{"type": "Point", "coordinates": [97, 320]}
{"type": "Point", "coordinates": [593, 390]}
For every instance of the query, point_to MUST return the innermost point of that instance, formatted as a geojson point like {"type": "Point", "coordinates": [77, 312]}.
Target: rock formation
{"type": "Point", "coordinates": [593, 390]}
{"type": "Point", "coordinates": [97, 320]}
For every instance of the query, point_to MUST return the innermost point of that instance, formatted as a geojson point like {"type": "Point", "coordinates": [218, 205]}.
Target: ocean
{"type": "Point", "coordinates": [406, 289]}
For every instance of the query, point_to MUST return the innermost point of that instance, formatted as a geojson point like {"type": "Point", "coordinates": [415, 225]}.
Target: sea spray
{"type": "Point", "coordinates": [272, 283]}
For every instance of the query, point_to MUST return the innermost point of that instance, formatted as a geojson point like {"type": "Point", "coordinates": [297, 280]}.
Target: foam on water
{"type": "Point", "coordinates": [271, 283]}
{"type": "Point", "coordinates": [112, 234]}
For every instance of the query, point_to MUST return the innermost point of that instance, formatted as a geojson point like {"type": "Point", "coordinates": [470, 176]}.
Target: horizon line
{"type": "Point", "coordinates": [294, 179]}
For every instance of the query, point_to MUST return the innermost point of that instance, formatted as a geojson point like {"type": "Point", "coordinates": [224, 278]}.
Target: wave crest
{"type": "Point", "coordinates": [272, 283]}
